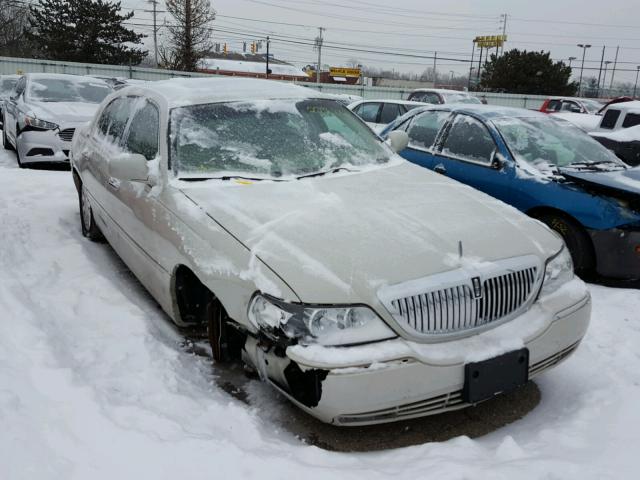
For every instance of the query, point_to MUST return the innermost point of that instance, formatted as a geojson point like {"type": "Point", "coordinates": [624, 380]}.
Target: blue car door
{"type": "Point", "coordinates": [467, 153]}
{"type": "Point", "coordinates": [423, 130]}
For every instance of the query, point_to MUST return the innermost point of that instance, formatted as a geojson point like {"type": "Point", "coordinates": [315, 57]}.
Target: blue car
{"type": "Point", "coordinates": [544, 167]}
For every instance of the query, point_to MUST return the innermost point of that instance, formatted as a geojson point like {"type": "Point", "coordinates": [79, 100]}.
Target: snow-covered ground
{"type": "Point", "coordinates": [96, 384]}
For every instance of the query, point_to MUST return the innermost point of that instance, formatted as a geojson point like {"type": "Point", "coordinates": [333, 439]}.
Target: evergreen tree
{"type": "Point", "coordinates": [190, 36]}
{"type": "Point", "coordinates": [527, 72]}
{"type": "Point", "coordinates": [83, 31]}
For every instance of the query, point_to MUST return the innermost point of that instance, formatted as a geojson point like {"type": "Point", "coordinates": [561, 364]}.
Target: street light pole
{"type": "Point", "coordinates": [584, 52]}
{"type": "Point", "coordinates": [635, 85]}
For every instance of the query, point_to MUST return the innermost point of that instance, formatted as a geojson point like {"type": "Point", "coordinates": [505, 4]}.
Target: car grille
{"type": "Point", "coordinates": [67, 134]}
{"type": "Point", "coordinates": [464, 301]}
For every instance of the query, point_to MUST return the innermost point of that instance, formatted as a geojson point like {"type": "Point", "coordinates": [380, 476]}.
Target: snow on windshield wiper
{"type": "Point", "coordinates": [228, 177]}
{"type": "Point", "coordinates": [595, 164]}
{"type": "Point", "coordinates": [318, 174]}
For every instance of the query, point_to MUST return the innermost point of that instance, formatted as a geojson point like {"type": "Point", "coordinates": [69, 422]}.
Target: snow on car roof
{"type": "Point", "coordinates": [633, 105]}
{"type": "Point", "coordinates": [179, 92]}
{"type": "Point", "coordinates": [441, 90]}
{"type": "Point", "coordinates": [65, 76]}
{"type": "Point", "coordinates": [486, 111]}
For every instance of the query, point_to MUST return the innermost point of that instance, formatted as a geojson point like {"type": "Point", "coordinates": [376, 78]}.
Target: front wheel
{"type": "Point", "coordinates": [87, 222]}
{"type": "Point", "coordinates": [576, 238]}
{"type": "Point", "coordinates": [5, 140]}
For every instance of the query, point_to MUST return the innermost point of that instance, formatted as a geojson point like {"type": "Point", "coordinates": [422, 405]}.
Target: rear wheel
{"type": "Point", "coordinates": [576, 238]}
{"type": "Point", "coordinates": [87, 222]}
{"type": "Point", "coordinates": [5, 140]}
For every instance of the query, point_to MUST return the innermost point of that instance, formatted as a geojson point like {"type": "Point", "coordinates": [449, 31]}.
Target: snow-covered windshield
{"type": "Point", "coordinates": [67, 90]}
{"type": "Point", "coordinates": [270, 139]}
{"type": "Point", "coordinates": [6, 85]}
{"type": "Point", "coordinates": [460, 98]}
{"type": "Point", "coordinates": [591, 106]}
{"type": "Point", "coordinates": [541, 141]}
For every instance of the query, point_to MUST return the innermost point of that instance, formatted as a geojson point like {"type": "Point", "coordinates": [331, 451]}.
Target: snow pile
{"type": "Point", "coordinates": [94, 383]}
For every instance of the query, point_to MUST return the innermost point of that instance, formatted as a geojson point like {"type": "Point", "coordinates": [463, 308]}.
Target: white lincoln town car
{"type": "Point", "coordinates": [362, 287]}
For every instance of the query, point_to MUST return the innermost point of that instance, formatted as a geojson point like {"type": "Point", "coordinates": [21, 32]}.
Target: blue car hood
{"type": "Point", "coordinates": [627, 181]}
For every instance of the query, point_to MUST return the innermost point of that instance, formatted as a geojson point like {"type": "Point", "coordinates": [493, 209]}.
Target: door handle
{"type": "Point", "coordinates": [440, 169]}
{"type": "Point", "coordinates": [114, 183]}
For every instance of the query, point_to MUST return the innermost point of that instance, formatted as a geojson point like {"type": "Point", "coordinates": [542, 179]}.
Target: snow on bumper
{"type": "Point", "coordinates": [45, 145]}
{"type": "Point", "coordinates": [399, 379]}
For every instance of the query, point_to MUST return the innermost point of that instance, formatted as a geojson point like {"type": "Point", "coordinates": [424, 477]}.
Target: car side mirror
{"type": "Point", "coordinates": [398, 140]}
{"type": "Point", "coordinates": [129, 167]}
{"type": "Point", "coordinates": [497, 160]}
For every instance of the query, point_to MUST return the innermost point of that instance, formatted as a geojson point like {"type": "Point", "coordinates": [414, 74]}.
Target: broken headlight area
{"type": "Point", "coordinates": [558, 271]}
{"type": "Point", "coordinates": [311, 324]}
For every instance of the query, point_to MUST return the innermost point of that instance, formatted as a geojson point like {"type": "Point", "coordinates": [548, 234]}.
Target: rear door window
{"type": "Point", "coordinates": [610, 118]}
{"type": "Point", "coordinates": [631, 120]}
{"type": "Point", "coordinates": [390, 111]}
{"type": "Point", "coordinates": [469, 139]}
{"type": "Point", "coordinates": [425, 127]}
{"type": "Point", "coordinates": [554, 106]}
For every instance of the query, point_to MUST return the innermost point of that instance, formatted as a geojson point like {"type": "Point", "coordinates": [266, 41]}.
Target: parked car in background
{"type": "Point", "coordinates": [573, 105]}
{"type": "Point", "coordinates": [344, 98]}
{"type": "Point", "coordinates": [364, 288]}
{"type": "Point", "coordinates": [438, 96]}
{"type": "Point", "coordinates": [617, 127]}
{"type": "Point", "coordinates": [379, 113]}
{"type": "Point", "coordinates": [548, 169]}
{"type": "Point", "coordinates": [7, 82]}
{"type": "Point", "coordinates": [43, 112]}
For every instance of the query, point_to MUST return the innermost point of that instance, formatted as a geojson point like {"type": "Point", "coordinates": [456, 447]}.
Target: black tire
{"type": "Point", "coordinates": [5, 141]}
{"type": "Point", "coordinates": [226, 342]}
{"type": "Point", "coordinates": [576, 238]}
{"type": "Point", "coordinates": [87, 222]}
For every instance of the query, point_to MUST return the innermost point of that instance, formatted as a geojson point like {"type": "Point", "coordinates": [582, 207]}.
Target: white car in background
{"type": "Point", "coordinates": [7, 82]}
{"type": "Point", "coordinates": [438, 96]}
{"type": "Point", "coordinates": [380, 113]}
{"type": "Point", "coordinates": [43, 111]}
{"type": "Point", "coordinates": [364, 288]}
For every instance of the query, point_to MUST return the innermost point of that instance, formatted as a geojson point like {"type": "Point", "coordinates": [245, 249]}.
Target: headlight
{"type": "Point", "coordinates": [559, 270]}
{"type": "Point", "coordinates": [325, 326]}
{"type": "Point", "coordinates": [37, 123]}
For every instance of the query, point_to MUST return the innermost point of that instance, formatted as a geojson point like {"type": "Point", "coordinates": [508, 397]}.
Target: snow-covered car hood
{"type": "Point", "coordinates": [338, 238]}
{"type": "Point", "coordinates": [625, 180]}
{"type": "Point", "coordinates": [631, 134]}
{"type": "Point", "coordinates": [61, 112]}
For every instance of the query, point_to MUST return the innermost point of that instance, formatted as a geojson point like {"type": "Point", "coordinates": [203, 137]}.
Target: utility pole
{"type": "Point", "coordinates": [155, 28]}
{"type": "Point", "coordinates": [635, 85]}
{"type": "Point", "coordinates": [570, 60]}
{"type": "Point", "coordinates": [319, 46]}
{"type": "Point", "coordinates": [584, 51]}
{"type": "Point", "coordinates": [600, 71]}
{"type": "Point", "coordinates": [479, 66]}
{"type": "Point", "coordinates": [435, 72]}
{"type": "Point", "coordinates": [268, 71]}
{"type": "Point", "coordinates": [473, 50]}
{"type": "Point", "coordinates": [613, 72]}
{"type": "Point", "coordinates": [504, 32]}
{"type": "Point", "coordinates": [604, 80]}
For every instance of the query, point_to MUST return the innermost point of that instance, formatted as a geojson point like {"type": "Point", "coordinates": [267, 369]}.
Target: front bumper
{"type": "Point", "coordinates": [399, 379]}
{"type": "Point", "coordinates": [617, 253]}
{"type": "Point", "coordinates": [45, 146]}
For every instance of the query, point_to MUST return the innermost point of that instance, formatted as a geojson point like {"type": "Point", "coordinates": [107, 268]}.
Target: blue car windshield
{"type": "Point", "coordinates": [544, 141]}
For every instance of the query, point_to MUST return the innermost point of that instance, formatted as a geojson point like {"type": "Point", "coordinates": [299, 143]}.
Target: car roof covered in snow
{"type": "Point", "coordinates": [484, 111]}
{"type": "Point", "coordinates": [179, 92]}
{"type": "Point", "coordinates": [65, 76]}
{"type": "Point", "coordinates": [633, 105]}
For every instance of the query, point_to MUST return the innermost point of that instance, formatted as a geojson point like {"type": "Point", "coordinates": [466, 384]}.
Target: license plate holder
{"type": "Point", "coordinates": [501, 374]}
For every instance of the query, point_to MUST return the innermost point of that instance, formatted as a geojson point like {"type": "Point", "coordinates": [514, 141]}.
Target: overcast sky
{"type": "Point", "coordinates": [418, 28]}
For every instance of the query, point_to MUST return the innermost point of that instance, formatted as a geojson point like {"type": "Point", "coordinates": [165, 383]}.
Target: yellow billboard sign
{"type": "Point", "coordinates": [344, 72]}
{"type": "Point", "coordinates": [490, 41]}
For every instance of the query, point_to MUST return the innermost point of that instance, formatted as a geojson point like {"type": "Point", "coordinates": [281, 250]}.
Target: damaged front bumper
{"type": "Point", "coordinates": [617, 252]}
{"type": "Point", "coordinates": [399, 379]}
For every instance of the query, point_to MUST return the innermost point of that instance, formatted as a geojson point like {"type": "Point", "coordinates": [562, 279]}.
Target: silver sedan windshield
{"type": "Point", "coordinates": [542, 140]}
{"type": "Point", "coordinates": [270, 139]}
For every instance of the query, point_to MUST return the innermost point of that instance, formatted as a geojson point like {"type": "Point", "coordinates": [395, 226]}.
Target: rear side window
{"type": "Point", "coordinates": [610, 118]}
{"type": "Point", "coordinates": [631, 120]}
{"type": "Point", "coordinates": [143, 131]}
{"type": "Point", "coordinates": [368, 112]}
{"type": "Point", "coordinates": [425, 127]}
{"type": "Point", "coordinates": [427, 97]}
{"type": "Point", "coordinates": [470, 140]}
{"type": "Point", "coordinates": [554, 105]}
{"type": "Point", "coordinates": [390, 111]}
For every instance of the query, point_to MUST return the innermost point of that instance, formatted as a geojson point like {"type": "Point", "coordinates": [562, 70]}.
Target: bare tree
{"type": "Point", "coordinates": [14, 20]}
{"type": "Point", "coordinates": [189, 36]}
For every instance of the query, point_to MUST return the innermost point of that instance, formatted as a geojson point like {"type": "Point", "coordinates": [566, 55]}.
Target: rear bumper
{"type": "Point", "coordinates": [398, 379]}
{"type": "Point", "coordinates": [616, 253]}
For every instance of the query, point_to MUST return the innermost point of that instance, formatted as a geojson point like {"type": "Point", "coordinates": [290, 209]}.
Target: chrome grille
{"type": "Point", "coordinates": [67, 134]}
{"type": "Point", "coordinates": [462, 300]}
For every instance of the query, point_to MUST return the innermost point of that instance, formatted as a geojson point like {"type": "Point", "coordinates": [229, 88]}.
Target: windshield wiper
{"type": "Point", "coordinates": [319, 174]}
{"type": "Point", "coordinates": [227, 177]}
{"type": "Point", "coordinates": [594, 164]}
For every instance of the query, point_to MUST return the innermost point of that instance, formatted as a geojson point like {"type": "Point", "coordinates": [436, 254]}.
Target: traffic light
{"type": "Point", "coordinates": [253, 47]}
{"type": "Point", "coordinates": [224, 49]}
